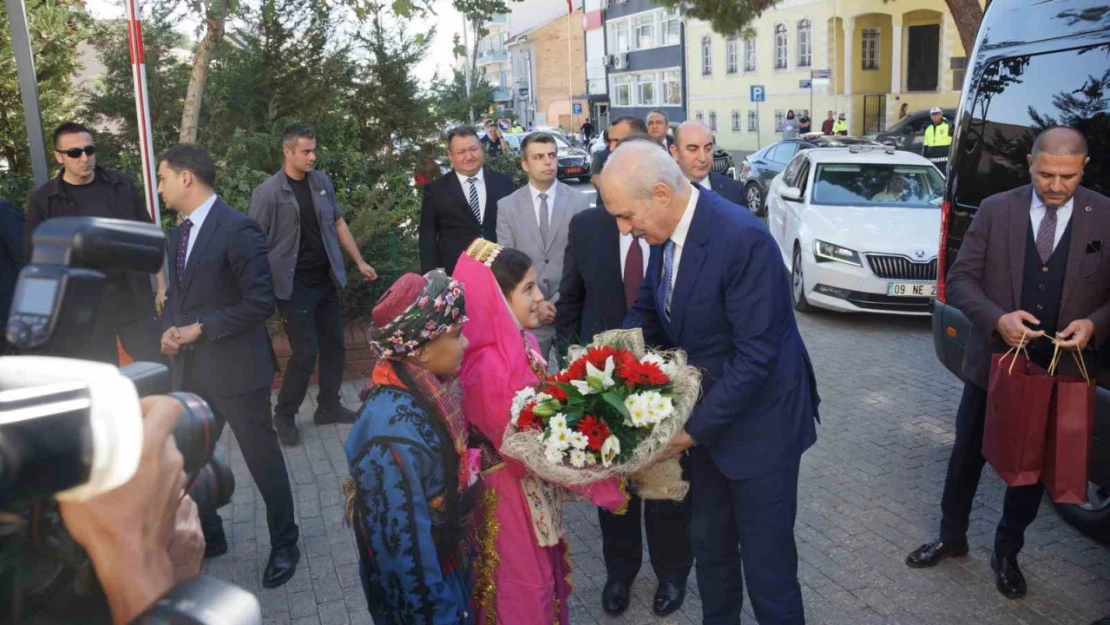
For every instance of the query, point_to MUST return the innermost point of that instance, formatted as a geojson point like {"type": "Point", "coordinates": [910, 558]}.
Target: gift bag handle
{"type": "Point", "coordinates": [1020, 349]}
{"type": "Point", "coordinates": [1075, 354]}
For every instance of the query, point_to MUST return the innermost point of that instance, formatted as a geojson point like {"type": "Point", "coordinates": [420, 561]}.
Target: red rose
{"type": "Point", "coordinates": [595, 431]}
{"type": "Point", "coordinates": [528, 419]}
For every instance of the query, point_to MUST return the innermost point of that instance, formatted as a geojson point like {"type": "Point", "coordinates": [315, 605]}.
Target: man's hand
{"type": "Point", "coordinates": [1077, 335]}
{"type": "Point", "coordinates": [187, 545]}
{"type": "Point", "coordinates": [680, 443]}
{"type": "Point", "coordinates": [547, 313]}
{"type": "Point", "coordinates": [171, 342]}
{"type": "Point", "coordinates": [367, 271]}
{"type": "Point", "coordinates": [1012, 329]}
{"type": "Point", "coordinates": [189, 334]}
{"type": "Point", "coordinates": [127, 531]}
{"type": "Point", "coordinates": [160, 301]}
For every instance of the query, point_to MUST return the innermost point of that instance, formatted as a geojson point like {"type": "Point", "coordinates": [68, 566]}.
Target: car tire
{"type": "Point", "coordinates": [798, 283]}
{"type": "Point", "coordinates": [583, 179]}
{"type": "Point", "coordinates": [1091, 518]}
{"type": "Point", "coordinates": [754, 193]}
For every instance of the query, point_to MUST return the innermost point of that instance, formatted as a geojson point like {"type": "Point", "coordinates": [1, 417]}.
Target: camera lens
{"type": "Point", "coordinates": [196, 432]}
{"type": "Point", "coordinates": [214, 485]}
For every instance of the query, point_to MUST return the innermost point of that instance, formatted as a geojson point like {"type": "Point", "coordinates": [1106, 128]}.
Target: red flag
{"type": "Point", "coordinates": [570, 8]}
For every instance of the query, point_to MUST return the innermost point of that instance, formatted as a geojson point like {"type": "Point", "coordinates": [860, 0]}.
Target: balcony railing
{"type": "Point", "coordinates": [501, 95]}
{"type": "Point", "coordinates": [497, 55]}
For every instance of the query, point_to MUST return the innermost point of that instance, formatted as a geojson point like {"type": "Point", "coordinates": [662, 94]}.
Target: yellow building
{"type": "Point", "coordinates": [878, 55]}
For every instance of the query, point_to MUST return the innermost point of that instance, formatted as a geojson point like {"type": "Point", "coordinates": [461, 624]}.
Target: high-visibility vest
{"type": "Point", "coordinates": [938, 135]}
{"type": "Point", "coordinates": [840, 126]}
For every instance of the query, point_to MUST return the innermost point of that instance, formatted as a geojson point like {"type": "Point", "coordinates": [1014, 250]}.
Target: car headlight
{"type": "Point", "coordinates": [829, 252]}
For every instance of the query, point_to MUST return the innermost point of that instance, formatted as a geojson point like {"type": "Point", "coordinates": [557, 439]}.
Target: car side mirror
{"type": "Point", "coordinates": [889, 141]}
{"type": "Point", "coordinates": [793, 194]}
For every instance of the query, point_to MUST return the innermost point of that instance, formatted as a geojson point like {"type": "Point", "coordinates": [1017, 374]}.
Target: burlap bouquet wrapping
{"type": "Point", "coordinates": [650, 478]}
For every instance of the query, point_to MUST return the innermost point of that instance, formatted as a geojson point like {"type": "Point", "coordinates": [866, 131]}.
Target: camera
{"type": "Point", "coordinates": [72, 429]}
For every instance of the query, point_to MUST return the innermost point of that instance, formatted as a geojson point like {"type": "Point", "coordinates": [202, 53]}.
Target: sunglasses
{"type": "Point", "coordinates": [76, 152]}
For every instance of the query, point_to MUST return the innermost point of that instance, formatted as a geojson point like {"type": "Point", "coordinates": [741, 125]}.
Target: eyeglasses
{"type": "Point", "coordinates": [76, 152]}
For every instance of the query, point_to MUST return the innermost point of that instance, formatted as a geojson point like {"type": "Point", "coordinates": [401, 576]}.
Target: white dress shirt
{"type": "Point", "coordinates": [680, 232]}
{"type": "Point", "coordinates": [480, 183]}
{"type": "Point", "coordinates": [1063, 215]}
{"type": "Point", "coordinates": [626, 244]}
{"type": "Point", "coordinates": [536, 201]}
{"type": "Point", "coordinates": [704, 182]}
{"type": "Point", "coordinates": [197, 217]}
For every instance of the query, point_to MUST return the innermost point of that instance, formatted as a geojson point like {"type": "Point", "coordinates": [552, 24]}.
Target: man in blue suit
{"type": "Point", "coordinates": [716, 287]}
{"type": "Point", "coordinates": [693, 149]}
{"type": "Point", "coordinates": [219, 297]}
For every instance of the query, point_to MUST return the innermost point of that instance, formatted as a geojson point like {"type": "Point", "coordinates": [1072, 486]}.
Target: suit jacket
{"type": "Point", "coordinates": [731, 312]}
{"type": "Point", "coordinates": [591, 293]}
{"type": "Point", "coordinates": [986, 279]}
{"type": "Point", "coordinates": [728, 188]}
{"type": "Point", "coordinates": [12, 254]}
{"type": "Point", "coordinates": [447, 226]}
{"type": "Point", "coordinates": [227, 287]}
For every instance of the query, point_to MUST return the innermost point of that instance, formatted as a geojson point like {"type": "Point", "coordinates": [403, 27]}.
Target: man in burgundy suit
{"type": "Point", "coordinates": [1030, 266]}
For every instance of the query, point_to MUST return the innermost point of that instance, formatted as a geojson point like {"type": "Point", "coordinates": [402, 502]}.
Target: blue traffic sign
{"type": "Point", "coordinates": [820, 73]}
{"type": "Point", "coordinates": [758, 93]}
{"type": "Point", "coordinates": [805, 83]}
{"type": "Point", "coordinates": [577, 108]}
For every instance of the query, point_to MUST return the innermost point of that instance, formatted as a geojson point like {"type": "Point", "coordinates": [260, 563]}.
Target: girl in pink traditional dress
{"type": "Point", "coordinates": [522, 571]}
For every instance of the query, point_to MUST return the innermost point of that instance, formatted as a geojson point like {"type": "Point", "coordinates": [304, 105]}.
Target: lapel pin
{"type": "Point", "coordinates": [1087, 208]}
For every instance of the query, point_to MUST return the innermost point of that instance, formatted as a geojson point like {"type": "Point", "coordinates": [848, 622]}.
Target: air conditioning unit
{"type": "Point", "coordinates": [607, 60]}
{"type": "Point", "coordinates": [605, 5]}
{"type": "Point", "coordinates": [620, 61]}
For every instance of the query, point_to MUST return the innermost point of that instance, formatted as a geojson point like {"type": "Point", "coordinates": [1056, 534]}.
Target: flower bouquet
{"type": "Point", "coordinates": [610, 413]}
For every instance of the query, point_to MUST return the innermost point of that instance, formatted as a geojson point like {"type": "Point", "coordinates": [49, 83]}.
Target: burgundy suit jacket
{"type": "Point", "coordinates": [985, 281]}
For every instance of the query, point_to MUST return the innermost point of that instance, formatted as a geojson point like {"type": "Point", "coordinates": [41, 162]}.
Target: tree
{"type": "Point", "coordinates": [452, 103]}
{"type": "Point", "coordinates": [215, 18]}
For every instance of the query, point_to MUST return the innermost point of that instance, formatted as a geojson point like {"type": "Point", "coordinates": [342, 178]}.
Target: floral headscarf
{"type": "Point", "coordinates": [415, 311]}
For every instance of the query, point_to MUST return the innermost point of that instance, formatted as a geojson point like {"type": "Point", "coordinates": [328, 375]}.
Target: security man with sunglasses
{"type": "Point", "coordinates": [129, 305]}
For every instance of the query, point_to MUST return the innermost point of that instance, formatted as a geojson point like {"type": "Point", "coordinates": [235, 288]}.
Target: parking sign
{"type": "Point", "coordinates": [758, 93]}
{"type": "Point", "coordinates": [577, 108]}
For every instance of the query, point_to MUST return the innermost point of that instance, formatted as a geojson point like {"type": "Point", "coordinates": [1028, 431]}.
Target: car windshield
{"type": "Point", "coordinates": [878, 184]}
{"type": "Point", "coordinates": [562, 145]}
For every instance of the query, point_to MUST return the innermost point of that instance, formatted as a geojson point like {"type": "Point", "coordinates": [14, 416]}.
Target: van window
{"type": "Point", "coordinates": [1018, 97]}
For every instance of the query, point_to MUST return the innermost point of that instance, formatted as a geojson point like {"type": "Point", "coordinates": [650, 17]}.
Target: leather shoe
{"type": "Point", "coordinates": [326, 415]}
{"type": "Point", "coordinates": [1102, 621]}
{"type": "Point", "coordinates": [614, 598]}
{"type": "Point", "coordinates": [288, 434]}
{"type": "Point", "coordinates": [930, 554]}
{"type": "Point", "coordinates": [281, 567]}
{"type": "Point", "coordinates": [215, 544]}
{"type": "Point", "coordinates": [1008, 577]}
{"type": "Point", "coordinates": [668, 598]}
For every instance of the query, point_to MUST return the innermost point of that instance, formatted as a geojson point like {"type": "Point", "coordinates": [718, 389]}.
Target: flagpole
{"type": "Point", "coordinates": [142, 108]}
{"type": "Point", "coordinates": [570, 72]}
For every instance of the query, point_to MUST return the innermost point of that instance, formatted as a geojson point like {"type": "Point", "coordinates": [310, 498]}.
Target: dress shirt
{"type": "Point", "coordinates": [704, 182]}
{"type": "Point", "coordinates": [480, 183]}
{"type": "Point", "coordinates": [626, 244]}
{"type": "Point", "coordinates": [680, 232]}
{"type": "Point", "coordinates": [536, 200]}
{"type": "Point", "coordinates": [1063, 215]}
{"type": "Point", "coordinates": [197, 217]}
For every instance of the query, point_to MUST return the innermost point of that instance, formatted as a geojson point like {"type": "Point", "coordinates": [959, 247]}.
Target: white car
{"type": "Point", "coordinates": [859, 229]}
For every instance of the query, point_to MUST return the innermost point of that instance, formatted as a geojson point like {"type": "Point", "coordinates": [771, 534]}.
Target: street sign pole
{"type": "Point", "coordinates": [28, 88]}
{"type": "Point", "coordinates": [758, 140]}
{"type": "Point", "coordinates": [757, 94]}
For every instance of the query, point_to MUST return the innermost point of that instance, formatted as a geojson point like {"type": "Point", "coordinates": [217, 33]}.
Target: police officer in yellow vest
{"type": "Point", "coordinates": [841, 126]}
{"type": "Point", "coordinates": [938, 138]}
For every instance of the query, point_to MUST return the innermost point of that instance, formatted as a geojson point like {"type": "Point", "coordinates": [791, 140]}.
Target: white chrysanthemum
{"type": "Point", "coordinates": [579, 440]}
{"type": "Point", "coordinates": [591, 458]}
{"type": "Point", "coordinates": [520, 400]}
{"type": "Point", "coordinates": [610, 449]}
{"type": "Point", "coordinates": [639, 411]}
{"type": "Point", "coordinates": [560, 439]}
{"type": "Point", "coordinates": [666, 365]}
{"type": "Point", "coordinates": [553, 455]}
{"type": "Point", "coordinates": [558, 422]}
{"type": "Point", "coordinates": [577, 458]}
{"type": "Point", "coordinates": [657, 406]}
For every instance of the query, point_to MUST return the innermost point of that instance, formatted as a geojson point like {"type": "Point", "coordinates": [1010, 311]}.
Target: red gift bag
{"type": "Point", "coordinates": [1071, 425]}
{"type": "Point", "coordinates": [1018, 398]}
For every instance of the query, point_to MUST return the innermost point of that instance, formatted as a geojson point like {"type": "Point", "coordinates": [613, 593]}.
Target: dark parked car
{"type": "Point", "coordinates": [908, 133]}
{"type": "Point", "coordinates": [759, 168]}
{"type": "Point", "coordinates": [1042, 66]}
{"type": "Point", "coordinates": [573, 162]}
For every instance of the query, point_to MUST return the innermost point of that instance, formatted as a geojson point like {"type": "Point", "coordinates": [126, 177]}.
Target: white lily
{"type": "Point", "coordinates": [597, 380]}
{"type": "Point", "coordinates": [610, 449]}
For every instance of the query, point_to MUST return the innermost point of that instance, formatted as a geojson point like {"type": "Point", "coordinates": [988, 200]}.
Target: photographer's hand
{"type": "Point", "coordinates": [128, 531]}
{"type": "Point", "coordinates": [187, 544]}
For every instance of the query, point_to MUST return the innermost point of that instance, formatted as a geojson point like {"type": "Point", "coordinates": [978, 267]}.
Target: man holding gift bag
{"type": "Point", "coordinates": [1029, 268]}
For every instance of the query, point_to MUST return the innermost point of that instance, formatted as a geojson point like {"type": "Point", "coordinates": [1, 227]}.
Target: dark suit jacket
{"type": "Point", "coordinates": [227, 287]}
{"type": "Point", "coordinates": [591, 293]}
{"type": "Point", "coordinates": [731, 312]}
{"type": "Point", "coordinates": [985, 281]}
{"type": "Point", "coordinates": [12, 254]}
{"type": "Point", "coordinates": [728, 188]}
{"type": "Point", "coordinates": [447, 226]}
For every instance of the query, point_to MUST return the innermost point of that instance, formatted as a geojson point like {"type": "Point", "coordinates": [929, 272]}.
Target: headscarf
{"type": "Point", "coordinates": [414, 311]}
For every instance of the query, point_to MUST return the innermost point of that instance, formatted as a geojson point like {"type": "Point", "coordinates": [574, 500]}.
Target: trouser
{"type": "Point", "coordinates": [668, 537]}
{"type": "Point", "coordinates": [248, 414]}
{"type": "Point", "coordinates": [745, 525]}
{"type": "Point", "coordinates": [122, 314]}
{"type": "Point", "coordinates": [314, 324]}
{"type": "Point", "coordinates": [962, 480]}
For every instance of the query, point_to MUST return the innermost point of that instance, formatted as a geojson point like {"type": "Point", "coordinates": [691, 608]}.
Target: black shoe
{"type": "Point", "coordinates": [288, 434]}
{"type": "Point", "coordinates": [215, 544]}
{"type": "Point", "coordinates": [930, 554]}
{"type": "Point", "coordinates": [334, 414]}
{"type": "Point", "coordinates": [281, 567]}
{"type": "Point", "coordinates": [614, 598]}
{"type": "Point", "coordinates": [1102, 621]}
{"type": "Point", "coordinates": [1008, 577]}
{"type": "Point", "coordinates": [668, 598]}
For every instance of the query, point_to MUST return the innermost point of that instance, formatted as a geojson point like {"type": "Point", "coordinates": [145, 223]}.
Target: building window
{"type": "Point", "coordinates": [749, 55]}
{"type": "Point", "coordinates": [643, 32]}
{"type": "Point", "coordinates": [699, 116]}
{"type": "Point", "coordinates": [622, 91]}
{"type": "Point", "coordinates": [736, 121]}
{"type": "Point", "coordinates": [713, 120]}
{"type": "Point", "coordinates": [618, 36]}
{"type": "Point", "coordinates": [781, 45]}
{"type": "Point", "coordinates": [672, 88]}
{"type": "Point", "coordinates": [805, 44]}
{"type": "Point", "coordinates": [670, 33]}
{"type": "Point", "coordinates": [780, 115]}
{"type": "Point", "coordinates": [706, 56]}
{"type": "Point", "coordinates": [732, 55]}
{"type": "Point", "coordinates": [870, 56]}
{"type": "Point", "coordinates": [753, 121]}
{"type": "Point", "coordinates": [645, 90]}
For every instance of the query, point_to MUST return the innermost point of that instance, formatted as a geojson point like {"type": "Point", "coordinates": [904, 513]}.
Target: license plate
{"type": "Point", "coordinates": [911, 289]}
{"type": "Point", "coordinates": [573, 170]}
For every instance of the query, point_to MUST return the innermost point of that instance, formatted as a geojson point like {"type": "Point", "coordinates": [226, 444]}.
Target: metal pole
{"type": "Point", "coordinates": [28, 88]}
{"type": "Point", "coordinates": [142, 109]}
{"type": "Point", "coordinates": [758, 141]}
{"type": "Point", "coordinates": [466, 48]}
{"type": "Point", "coordinates": [570, 76]}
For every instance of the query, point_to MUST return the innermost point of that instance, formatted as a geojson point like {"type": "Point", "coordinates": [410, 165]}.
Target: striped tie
{"type": "Point", "coordinates": [668, 274]}
{"type": "Point", "coordinates": [475, 207]}
{"type": "Point", "coordinates": [183, 249]}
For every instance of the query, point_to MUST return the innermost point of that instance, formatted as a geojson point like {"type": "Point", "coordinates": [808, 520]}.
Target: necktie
{"type": "Point", "coordinates": [475, 207]}
{"type": "Point", "coordinates": [633, 272]}
{"type": "Point", "coordinates": [668, 273]}
{"type": "Point", "coordinates": [545, 218]}
{"type": "Point", "coordinates": [183, 249]}
{"type": "Point", "coordinates": [1046, 234]}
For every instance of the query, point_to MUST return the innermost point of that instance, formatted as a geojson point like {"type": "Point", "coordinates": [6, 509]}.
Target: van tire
{"type": "Point", "coordinates": [1092, 518]}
